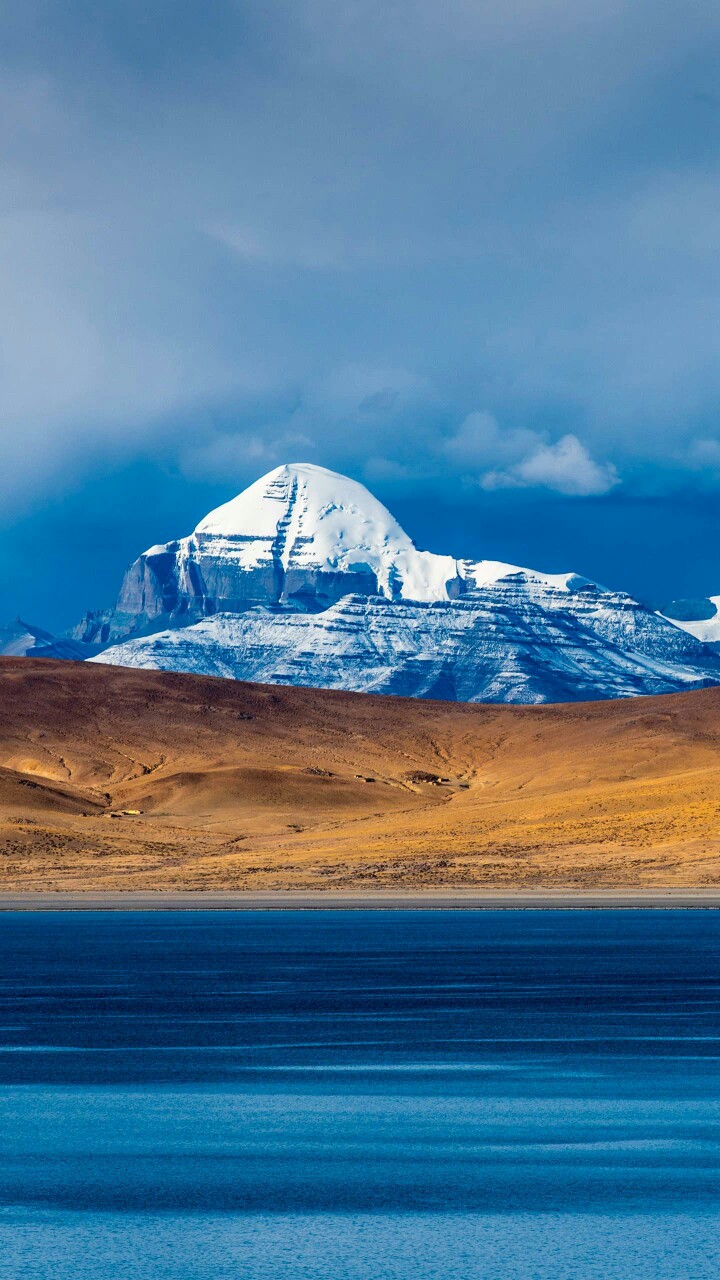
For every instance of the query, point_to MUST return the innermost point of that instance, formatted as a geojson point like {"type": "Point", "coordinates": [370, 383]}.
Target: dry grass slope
{"type": "Point", "coordinates": [251, 787]}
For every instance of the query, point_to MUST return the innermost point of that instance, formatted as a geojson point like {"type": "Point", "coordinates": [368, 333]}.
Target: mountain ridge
{"type": "Point", "coordinates": [306, 578]}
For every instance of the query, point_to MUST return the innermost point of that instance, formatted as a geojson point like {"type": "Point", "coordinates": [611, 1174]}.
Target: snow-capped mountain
{"type": "Point", "coordinates": [20, 639]}
{"type": "Point", "coordinates": [305, 578]}
{"type": "Point", "coordinates": [301, 537]}
{"type": "Point", "coordinates": [705, 628]}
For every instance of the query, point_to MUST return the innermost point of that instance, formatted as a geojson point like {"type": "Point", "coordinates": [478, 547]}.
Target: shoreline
{"type": "Point", "coordinates": [381, 900]}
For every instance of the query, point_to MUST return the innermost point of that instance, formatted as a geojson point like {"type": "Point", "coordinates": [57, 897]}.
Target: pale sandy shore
{"type": "Point", "coordinates": [294, 900]}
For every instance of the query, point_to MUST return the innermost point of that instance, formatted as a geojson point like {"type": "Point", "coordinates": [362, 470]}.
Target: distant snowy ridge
{"type": "Point", "coordinates": [706, 630]}
{"type": "Point", "coordinates": [20, 639]}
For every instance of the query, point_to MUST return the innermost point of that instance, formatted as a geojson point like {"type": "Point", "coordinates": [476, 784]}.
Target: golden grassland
{"type": "Point", "coordinates": [249, 787]}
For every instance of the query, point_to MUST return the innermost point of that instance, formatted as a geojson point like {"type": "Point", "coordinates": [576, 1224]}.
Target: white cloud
{"type": "Point", "coordinates": [566, 467]}
{"type": "Point", "coordinates": [520, 458]}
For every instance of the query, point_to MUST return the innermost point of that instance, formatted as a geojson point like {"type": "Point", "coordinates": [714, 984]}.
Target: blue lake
{"type": "Point", "coordinates": [511, 1095]}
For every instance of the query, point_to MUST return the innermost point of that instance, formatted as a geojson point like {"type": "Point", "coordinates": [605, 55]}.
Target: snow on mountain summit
{"type": "Point", "coordinates": [312, 495]}
{"type": "Point", "coordinates": [304, 517]}
{"type": "Point", "coordinates": [307, 517]}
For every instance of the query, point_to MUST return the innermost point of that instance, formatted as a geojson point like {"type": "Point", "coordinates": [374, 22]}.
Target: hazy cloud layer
{"type": "Point", "coordinates": [421, 242]}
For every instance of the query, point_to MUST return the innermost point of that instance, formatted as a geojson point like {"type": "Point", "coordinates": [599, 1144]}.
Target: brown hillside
{"type": "Point", "coordinates": [247, 787]}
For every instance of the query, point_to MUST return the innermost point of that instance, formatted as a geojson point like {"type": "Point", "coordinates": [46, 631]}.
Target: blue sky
{"type": "Point", "coordinates": [467, 253]}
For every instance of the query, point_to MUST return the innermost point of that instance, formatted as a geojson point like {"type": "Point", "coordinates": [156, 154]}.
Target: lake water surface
{"type": "Point", "coordinates": [512, 1095]}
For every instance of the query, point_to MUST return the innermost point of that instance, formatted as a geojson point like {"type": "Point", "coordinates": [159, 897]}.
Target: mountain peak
{"type": "Point", "coordinates": [301, 537]}
{"type": "Point", "coordinates": [312, 495]}
{"type": "Point", "coordinates": [303, 518]}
